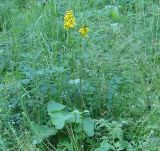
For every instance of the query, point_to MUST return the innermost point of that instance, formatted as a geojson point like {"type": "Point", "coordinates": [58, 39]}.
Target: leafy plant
{"type": "Point", "coordinates": [60, 116]}
{"type": "Point", "coordinates": [41, 132]}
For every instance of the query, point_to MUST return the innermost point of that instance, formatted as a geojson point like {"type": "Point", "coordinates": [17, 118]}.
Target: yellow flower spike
{"type": "Point", "coordinates": [84, 31]}
{"type": "Point", "coordinates": [69, 20]}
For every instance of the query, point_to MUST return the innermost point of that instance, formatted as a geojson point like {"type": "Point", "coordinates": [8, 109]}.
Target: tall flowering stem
{"type": "Point", "coordinates": [69, 20]}
{"type": "Point", "coordinates": [84, 31]}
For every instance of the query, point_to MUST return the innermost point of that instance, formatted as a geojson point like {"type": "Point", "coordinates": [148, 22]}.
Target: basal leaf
{"type": "Point", "coordinates": [59, 118]}
{"type": "Point", "coordinates": [117, 133]}
{"type": "Point", "coordinates": [105, 146]}
{"type": "Point", "coordinates": [40, 132]}
{"type": "Point", "coordinates": [88, 126]}
{"type": "Point", "coordinates": [54, 107]}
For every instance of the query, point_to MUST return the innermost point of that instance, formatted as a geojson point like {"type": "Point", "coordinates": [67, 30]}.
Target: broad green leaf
{"type": "Point", "coordinates": [105, 146]}
{"type": "Point", "coordinates": [54, 107]}
{"type": "Point", "coordinates": [40, 132]}
{"type": "Point", "coordinates": [59, 118]}
{"type": "Point", "coordinates": [88, 126]}
{"type": "Point", "coordinates": [117, 133]}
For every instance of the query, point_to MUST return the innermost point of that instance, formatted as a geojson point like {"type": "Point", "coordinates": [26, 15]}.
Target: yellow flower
{"type": "Point", "coordinates": [84, 31]}
{"type": "Point", "coordinates": [69, 20]}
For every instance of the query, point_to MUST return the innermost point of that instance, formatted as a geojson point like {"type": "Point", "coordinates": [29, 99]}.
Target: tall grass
{"type": "Point", "coordinates": [117, 66]}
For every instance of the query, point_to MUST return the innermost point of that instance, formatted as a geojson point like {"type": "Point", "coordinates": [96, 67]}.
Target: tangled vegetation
{"type": "Point", "coordinates": [79, 75]}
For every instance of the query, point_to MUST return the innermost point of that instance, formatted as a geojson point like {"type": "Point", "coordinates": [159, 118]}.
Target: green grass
{"type": "Point", "coordinates": [116, 66]}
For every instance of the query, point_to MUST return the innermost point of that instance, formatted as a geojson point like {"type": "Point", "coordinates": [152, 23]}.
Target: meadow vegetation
{"type": "Point", "coordinates": [79, 75]}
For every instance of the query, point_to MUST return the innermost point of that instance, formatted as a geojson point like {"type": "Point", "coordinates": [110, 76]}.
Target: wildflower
{"type": "Point", "coordinates": [69, 20]}
{"type": "Point", "coordinates": [84, 31]}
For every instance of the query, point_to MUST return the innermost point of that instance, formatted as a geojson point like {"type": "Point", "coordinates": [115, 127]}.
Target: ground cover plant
{"type": "Point", "coordinates": [79, 75]}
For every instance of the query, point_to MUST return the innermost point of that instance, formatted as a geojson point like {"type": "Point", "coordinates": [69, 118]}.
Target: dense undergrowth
{"type": "Point", "coordinates": [65, 92]}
